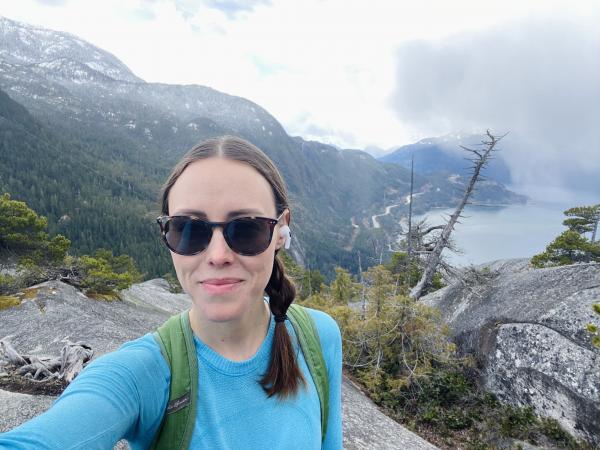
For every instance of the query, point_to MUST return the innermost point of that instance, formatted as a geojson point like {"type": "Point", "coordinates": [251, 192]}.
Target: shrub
{"type": "Point", "coordinates": [104, 274]}
{"type": "Point", "coordinates": [8, 301]}
{"type": "Point", "coordinates": [593, 329]}
{"type": "Point", "coordinates": [174, 285]}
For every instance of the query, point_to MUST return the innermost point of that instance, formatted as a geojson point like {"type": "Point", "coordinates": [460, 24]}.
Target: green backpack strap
{"type": "Point", "coordinates": [177, 346]}
{"type": "Point", "coordinates": [308, 336]}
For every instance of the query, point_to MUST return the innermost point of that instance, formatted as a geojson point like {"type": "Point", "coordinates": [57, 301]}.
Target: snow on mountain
{"type": "Point", "coordinates": [26, 44]}
{"type": "Point", "coordinates": [50, 70]}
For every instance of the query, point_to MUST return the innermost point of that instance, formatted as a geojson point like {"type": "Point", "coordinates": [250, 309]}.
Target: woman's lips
{"type": "Point", "coordinates": [220, 286]}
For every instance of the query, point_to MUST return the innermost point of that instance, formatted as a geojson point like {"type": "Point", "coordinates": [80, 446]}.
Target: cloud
{"type": "Point", "coordinates": [330, 60]}
{"type": "Point", "coordinates": [189, 8]}
{"type": "Point", "coordinates": [537, 78]}
{"type": "Point", "coordinates": [141, 13]}
{"type": "Point", "coordinates": [52, 2]}
{"type": "Point", "coordinates": [307, 126]}
{"type": "Point", "coordinates": [231, 7]}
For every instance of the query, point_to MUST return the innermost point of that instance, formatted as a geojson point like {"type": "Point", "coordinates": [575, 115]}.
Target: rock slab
{"type": "Point", "coordinates": [527, 329]}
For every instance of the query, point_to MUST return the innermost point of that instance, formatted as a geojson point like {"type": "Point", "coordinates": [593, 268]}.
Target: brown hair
{"type": "Point", "coordinates": [283, 377]}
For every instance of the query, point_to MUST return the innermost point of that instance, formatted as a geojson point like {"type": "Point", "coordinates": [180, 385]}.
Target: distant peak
{"type": "Point", "coordinates": [28, 44]}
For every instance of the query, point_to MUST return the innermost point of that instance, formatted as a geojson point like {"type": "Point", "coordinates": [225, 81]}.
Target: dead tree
{"type": "Point", "coordinates": [421, 240]}
{"type": "Point", "coordinates": [595, 227]}
{"type": "Point", "coordinates": [73, 356]}
{"type": "Point", "coordinates": [410, 206]}
{"type": "Point", "coordinates": [479, 159]}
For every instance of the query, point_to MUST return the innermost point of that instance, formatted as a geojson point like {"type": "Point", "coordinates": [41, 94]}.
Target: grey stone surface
{"type": "Point", "coordinates": [17, 408]}
{"type": "Point", "coordinates": [367, 428]}
{"type": "Point", "coordinates": [58, 310]}
{"type": "Point", "coordinates": [155, 294]}
{"type": "Point", "coordinates": [527, 330]}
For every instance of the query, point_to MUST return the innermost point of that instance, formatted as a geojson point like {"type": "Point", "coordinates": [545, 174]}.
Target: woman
{"type": "Point", "coordinates": [225, 215]}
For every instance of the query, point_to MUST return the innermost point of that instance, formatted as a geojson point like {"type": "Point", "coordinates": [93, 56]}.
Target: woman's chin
{"type": "Point", "coordinates": [221, 311]}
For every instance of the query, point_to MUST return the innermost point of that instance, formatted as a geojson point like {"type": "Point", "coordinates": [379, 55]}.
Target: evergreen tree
{"type": "Point", "coordinates": [343, 288]}
{"type": "Point", "coordinates": [37, 257]}
{"type": "Point", "coordinates": [23, 235]}
{"type": "Point", "coordinates": [104, 273]}
{"type": "Point", "coordinates": [583, 219]}
{"type": "Point", "coordinates": [572, 246]}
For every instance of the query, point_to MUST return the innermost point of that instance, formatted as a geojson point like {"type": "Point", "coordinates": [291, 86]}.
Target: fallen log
{"type": "Point", "coordinates": [72, 359]}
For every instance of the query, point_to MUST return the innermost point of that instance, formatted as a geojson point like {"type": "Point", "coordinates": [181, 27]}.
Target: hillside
{"type": "Point", "coordinates": [109, 140]}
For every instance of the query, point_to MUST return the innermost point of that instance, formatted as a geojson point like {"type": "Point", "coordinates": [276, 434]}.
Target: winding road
{"type": "Point", "coordinates": [387, 211]}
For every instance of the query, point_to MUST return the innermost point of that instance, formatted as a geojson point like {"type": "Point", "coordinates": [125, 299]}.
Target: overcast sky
{"type": "Point", "coordinates": [382, 73]}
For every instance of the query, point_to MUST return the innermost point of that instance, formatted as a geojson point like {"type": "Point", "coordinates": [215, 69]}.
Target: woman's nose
{"type": "Point", "coordinates": [218, 251]}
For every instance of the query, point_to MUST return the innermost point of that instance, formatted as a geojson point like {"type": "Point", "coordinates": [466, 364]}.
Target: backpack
{"type": "Point", "coordinates": [176, 343]}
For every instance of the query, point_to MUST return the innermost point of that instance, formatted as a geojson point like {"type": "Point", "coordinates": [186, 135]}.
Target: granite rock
{"type": "Point", "coordinates": [526, 328]}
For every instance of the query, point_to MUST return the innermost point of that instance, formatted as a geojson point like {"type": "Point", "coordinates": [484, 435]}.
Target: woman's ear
{"type": "Point", "coordinates": [285, 235]}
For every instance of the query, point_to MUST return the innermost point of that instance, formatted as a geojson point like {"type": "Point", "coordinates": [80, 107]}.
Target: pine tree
{"type": "Point", "coordinates": [23, 235]}
{"type": "Point", "coordinates": [342, 287]}
{"type": "Point", "coordinates": [572, 246]}
{"type": "Point", "coordinates": [583, 219]}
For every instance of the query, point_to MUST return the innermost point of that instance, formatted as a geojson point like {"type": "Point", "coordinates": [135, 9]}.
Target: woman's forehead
{"type": "Point", "coordinates": [221, 187]}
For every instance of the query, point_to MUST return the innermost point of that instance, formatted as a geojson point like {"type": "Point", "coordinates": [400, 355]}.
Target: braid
{"type": "Point", "coordinates": [283, 376]}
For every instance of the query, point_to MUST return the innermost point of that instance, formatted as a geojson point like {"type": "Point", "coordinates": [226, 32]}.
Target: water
{"type": "Point", "coordinates": [489, 233]}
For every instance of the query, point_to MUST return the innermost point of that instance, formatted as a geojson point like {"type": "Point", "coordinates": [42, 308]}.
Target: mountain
{"type": "Point", "coordinates": [444, 155]}
{"type": "Point", "coordinates": [26, 45]}
{"type": "Point", "coordinates": [87, 199]}
{"type": "Point", "coordinates": [111, 139]}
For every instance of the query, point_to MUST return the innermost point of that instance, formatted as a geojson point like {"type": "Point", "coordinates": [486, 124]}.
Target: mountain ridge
{"type": "Point", "coordinates": [444, 154]}
{"type": "Point", "coordinates": [136, 131]}
{"type": "Point", "coordinates": [14, 32]}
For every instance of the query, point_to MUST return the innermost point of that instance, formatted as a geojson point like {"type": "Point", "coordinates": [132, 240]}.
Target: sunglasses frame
{"type": "Point", "coordinates": [164, 220]}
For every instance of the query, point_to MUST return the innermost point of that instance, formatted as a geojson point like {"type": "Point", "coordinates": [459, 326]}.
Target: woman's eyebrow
{"type": "Point", "coordinates": [245, 212]}
{"type": "Point", "coordinates": [235, 213]}
{"type": "Point", "coordinates": [190, 212]}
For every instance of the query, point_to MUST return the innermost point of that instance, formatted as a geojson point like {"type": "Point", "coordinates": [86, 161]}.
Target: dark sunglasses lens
{"type": "Point", "coordinates": [187, 236]}
{"type": "Point", "coordinates": [249, 236]}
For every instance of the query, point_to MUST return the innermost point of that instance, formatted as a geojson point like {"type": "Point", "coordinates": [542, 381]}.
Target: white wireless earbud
{"type": "Point", "coordinates": [285, 232]}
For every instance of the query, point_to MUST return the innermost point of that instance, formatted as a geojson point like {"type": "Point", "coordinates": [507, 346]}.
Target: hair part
{"type": "Point", "coordinates": [283, 377]}
{"type": "Point", "coordinates": [234, 149]}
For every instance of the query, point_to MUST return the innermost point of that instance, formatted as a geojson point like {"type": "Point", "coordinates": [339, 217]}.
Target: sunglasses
{"type": "Point", "coordinates": [246, 236]}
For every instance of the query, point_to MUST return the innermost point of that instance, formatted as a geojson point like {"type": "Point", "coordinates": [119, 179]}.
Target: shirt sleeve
{"type": "Point", "coordinates": [121, 395]}
{"type": "Point", "coordinates": [331, 343]}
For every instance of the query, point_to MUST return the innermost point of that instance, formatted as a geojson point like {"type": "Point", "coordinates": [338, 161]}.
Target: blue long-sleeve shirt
{"type": "Point", "coordinates": [123, 395]}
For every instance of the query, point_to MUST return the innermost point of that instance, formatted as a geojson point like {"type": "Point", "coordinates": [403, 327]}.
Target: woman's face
{"type": "Point", "coordinates": [219, 190]}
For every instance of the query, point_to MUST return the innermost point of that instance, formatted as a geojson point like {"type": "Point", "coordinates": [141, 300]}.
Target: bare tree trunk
{"type": "Point", "coordinates": [479, 161]}
{"type": "Point", "coordinates": [363, 310]}
{"type": "Point", "coordinates": [410, 205]}
{"type": "Point", "coordinates": [309, 281]}
{"type": "Point", "coordinates": [73, 356]}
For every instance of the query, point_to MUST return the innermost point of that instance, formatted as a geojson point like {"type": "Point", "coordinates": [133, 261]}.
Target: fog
{"type": "Point", "coordinates": [538, 79]}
